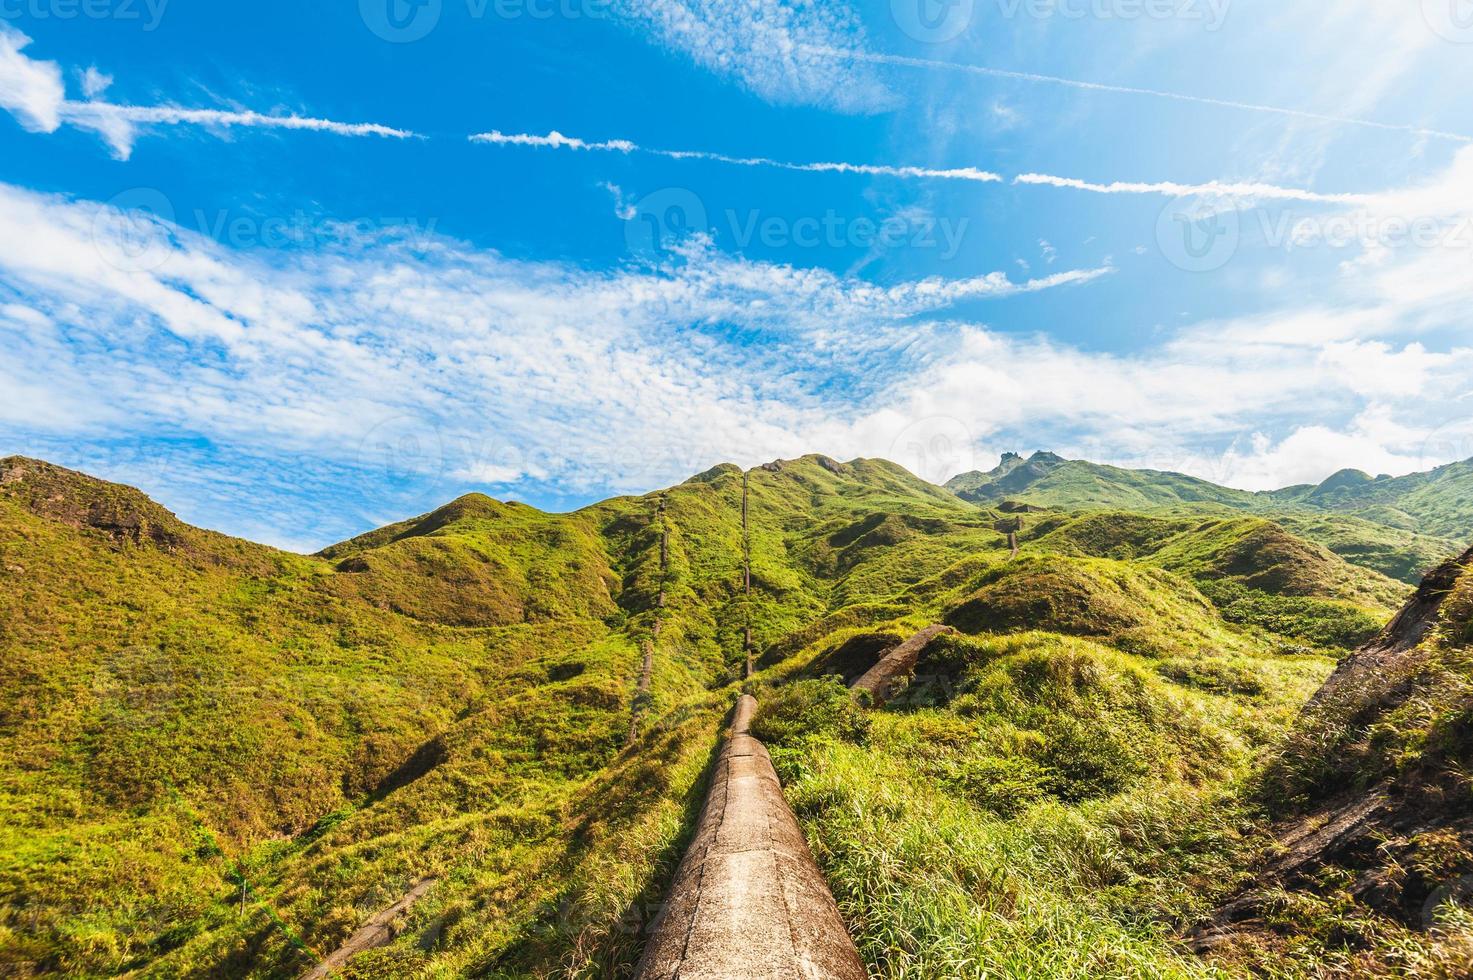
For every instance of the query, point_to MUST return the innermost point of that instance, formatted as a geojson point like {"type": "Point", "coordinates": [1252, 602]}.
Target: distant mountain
{"type": "Point", "coordinates": [220, 759]}
{"type": "Point", "coordinates": [1400, 526]}
{"type": "Point", "coordinates": [1051, 480]}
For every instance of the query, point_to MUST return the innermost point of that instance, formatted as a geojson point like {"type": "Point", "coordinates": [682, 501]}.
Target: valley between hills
{"type": "Point", "coordinates": [1184, 731]}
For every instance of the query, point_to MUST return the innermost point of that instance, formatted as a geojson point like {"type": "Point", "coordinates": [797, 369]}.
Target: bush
{"type": "Point", "coordinates": [1005, 786]}
{"type": "Point", "coordinates": [1457, 613]}
{"type": "Point", "coordinates": [1325, 622]}
{"type": "Point", "coordinates": [810, 709]}
{"type": "Point", "coordinates": [1084, 760]}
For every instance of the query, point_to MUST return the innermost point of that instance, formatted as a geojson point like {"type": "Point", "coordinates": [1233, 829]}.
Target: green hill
{"type": "Point", "coordinates": [220, 759]}
{"type": "Point", "coordinates": [1400, 527]}
{"type": "Point", "coordinates": [1372, 850]}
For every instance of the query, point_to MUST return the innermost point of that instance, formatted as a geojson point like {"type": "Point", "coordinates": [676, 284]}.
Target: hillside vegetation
{"type": "Point", "coordinates": [1401, 527]}
{"type": "Point", "coordinates": [220, 759]}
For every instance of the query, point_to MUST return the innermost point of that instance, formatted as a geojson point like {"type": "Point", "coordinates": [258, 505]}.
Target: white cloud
{"type": "Point", "coordinates": [32, 91]}
{"type": "Point", "coordinates": [119, 124]}
{"type": "Point", "coordinates": [1224, 194]}
{"type": "Point", "coordinates": [556, 140]}
{"type": "Point", "coordinates": [767, 46]}
{"type": "Point", "coordinates": [526, 374]}
{"type": "Point", "coordinates": [35, 93]}
{"type": "Point", "coordinates": [1239, 194]}
{"type": "Point", "coordinates": [95, 82]}
{"type": "Point", "coordinates": [272, 355]}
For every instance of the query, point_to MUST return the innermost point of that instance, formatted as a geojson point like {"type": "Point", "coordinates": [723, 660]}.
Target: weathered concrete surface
{"type": "Point", "coordinates": [642, 690]}
{"type": "Point", "coordinates": [379, 930]}
{"type": "Point", "coordinates": [883, 678]}
{"type": "Point", "coordinates": [748, 901]}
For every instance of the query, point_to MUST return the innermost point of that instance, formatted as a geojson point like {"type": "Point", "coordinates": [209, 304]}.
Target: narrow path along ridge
{"type": "Point", "coordinates": [748, 900]}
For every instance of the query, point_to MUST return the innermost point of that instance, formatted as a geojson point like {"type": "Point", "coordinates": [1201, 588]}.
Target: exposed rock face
{"type": "Point", "coordinates": [81, 501]}
{"type": "Point", "coordinates": [748, 900]}
{"type": "Point", "coordinates": [1398, 832]}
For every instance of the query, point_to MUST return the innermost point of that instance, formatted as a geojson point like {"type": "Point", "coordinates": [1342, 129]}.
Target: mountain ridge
{"type": "Point", "coordinates": [1375, 521]}
{"type": "Point", "coordinates": [452, 697]}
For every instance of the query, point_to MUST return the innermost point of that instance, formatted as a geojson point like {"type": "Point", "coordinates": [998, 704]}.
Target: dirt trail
{"type": "Point", "coordinates": [882, 680]}
{"type": "Point", "coordinates": [748, 900]}
{"type": "Point", "coordinates": [379, 930]}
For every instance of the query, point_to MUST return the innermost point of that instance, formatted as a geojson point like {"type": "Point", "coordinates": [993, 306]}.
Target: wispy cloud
{"type": "Point", "coordinates": [175, 332]}
{"type": "Point", "coordinates": [556, 140]}
{"type": "Point", "coordinates": [337, 365]}
{"type": "Point", "coordinates": [35, 93]}
{"type": "Point", "coordinates": [119, 123]}
{"type": "Point", "coordinates": [1226, 190]}
{"type": "Point", "coordinates": [866, 57]}
{"type": "Point", "coordinates": [766, 46]}
{"type": "Point", "coordinates": [1237, 194]}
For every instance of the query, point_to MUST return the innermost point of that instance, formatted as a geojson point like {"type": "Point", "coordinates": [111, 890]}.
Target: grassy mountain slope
{"type": "Point", "coordinates": [1371, 868]}
{"type": "Point", "coordinates": [1400, 527]}
{"type": "Point", "coordinates": [448, 698]}
{"type": "Point", "coordinates": [1438, 502]}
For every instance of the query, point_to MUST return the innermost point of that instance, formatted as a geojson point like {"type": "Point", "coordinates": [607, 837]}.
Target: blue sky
{"type": "Point", "coordinates": [302, 269]}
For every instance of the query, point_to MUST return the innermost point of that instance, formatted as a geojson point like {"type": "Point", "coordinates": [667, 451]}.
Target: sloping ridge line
{"type": "Point", "coordinates": [748, 900]}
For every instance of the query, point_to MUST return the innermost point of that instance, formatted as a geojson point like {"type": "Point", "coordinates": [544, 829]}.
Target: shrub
{"type": "Point", "coordinates": [1085, 760]}
{"type": "Point", "coordinates": [1326, 622]}
{"type": "Point", "coordinates": [810, 709]}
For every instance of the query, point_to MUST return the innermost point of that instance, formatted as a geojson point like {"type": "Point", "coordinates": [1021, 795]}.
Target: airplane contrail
{"type": "Point", "coordinates": [1026, 76]}
{"type": "Point", "coordinates": [556, 140]}
{"type": "Point", "coordinates": [1244, 191]}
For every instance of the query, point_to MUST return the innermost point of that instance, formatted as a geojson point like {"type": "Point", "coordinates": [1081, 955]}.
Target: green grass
{"type": "Point", "coordinates": [1053, 796]}
{"type": "Point", "coordinates": [1399, 527]}
{"type": "Point", "coordinates": [1054, 817]}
